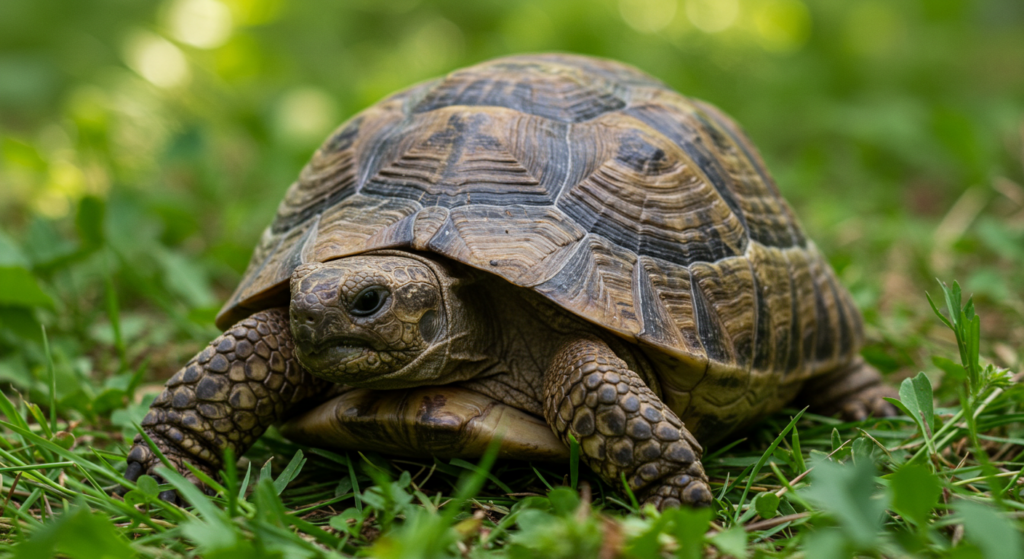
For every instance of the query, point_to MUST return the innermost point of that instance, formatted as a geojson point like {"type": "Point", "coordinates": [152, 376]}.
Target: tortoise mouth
{"type": "Point", "coordinates": [326, 346]}
{"type": "Point", "coordinates": [330, 353]}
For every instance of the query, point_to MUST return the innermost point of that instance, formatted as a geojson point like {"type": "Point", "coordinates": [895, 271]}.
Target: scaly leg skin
{"type": "Point", "coordinates": [225, 397]}
{"type": "Point", "coordinates": [622, 426]}
{"type": "Point", "coordinates": [853, 392]}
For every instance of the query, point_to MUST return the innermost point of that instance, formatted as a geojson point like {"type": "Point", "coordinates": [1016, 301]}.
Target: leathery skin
{"type": "Point", "coordinates": [622, 427]}
{"type": "Point", "coordinates": [225, 397]}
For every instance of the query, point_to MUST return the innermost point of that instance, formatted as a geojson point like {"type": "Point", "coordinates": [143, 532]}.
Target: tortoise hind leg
{"type": "Point", "coordinates": [225, 397]}
{"type": "Point", "coordinates": [622, 427]}
{"type": "Point", "coordinates": [853, 392]}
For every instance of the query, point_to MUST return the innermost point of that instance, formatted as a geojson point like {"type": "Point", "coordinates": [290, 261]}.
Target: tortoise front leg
{"type": "Point", "coordinates": [225, 397]}
{"type": "Point", "coordinates": [622, 427]}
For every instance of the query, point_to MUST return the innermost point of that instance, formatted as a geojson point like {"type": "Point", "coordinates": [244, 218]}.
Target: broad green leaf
{"type": "Point", "coordinates": [344, 487]}
{"type": "Point", "coordinates": [863, 449]}
{"type": "Point", "coordinates": [785, 456]}
{"type": "Point", "coordinates": [994, 534]}
{"type": "Point", "coordinates": [915, 492]}
{"type": "Point", "coordinates": [148, 485]}
{"type": "Point", "coordinates": [691, 525]}
{"type": "Point", "coordinates": [648, 543]}
{"type": "Point", "coordinates": [848, 493]}
{"type": "Point", "coordinates": [732, 542]}
{"type": "Point", "coordinates": [210, 536]}
{"type": "Point", "coordinates": [826, 544]}
{"type": "Point", "coordinates": [136, 497]}
{"type": "Point", "coordinates": [766, 504]}
{"type": "Point", "coordinates": [916, 395]}
{"type": "Point", "coordinates": [78, 534]}
{"type": "Point", "coordinates": [545, 535]}
{"type": "Point", "coordinates": [10, 253]}
{"type": "Point", "coordinates": [340, 521]}
{"type": "Point", "coordinates": [903, 408]}
{"type": "Point", "coordinates": [64, 440]}
{"type": "Point", "coordinates": [966, 550]}
{"type": "Point", "coordinates": [953, 369]}
{"type": "Point", "coordinates": [19, 288]}
{"type": "Point", "coordinates": [89, 221]}
{"type": "Point", "coordinates": [185, 278]}
{"type": "Point", "coordinates": [46, 247]}
{"type": "Point", "coordinates": [999, 237]}
{"type": "Point", "coordinates": [21, 321]}
{"type": "Point", "coordinates": [564, 501]}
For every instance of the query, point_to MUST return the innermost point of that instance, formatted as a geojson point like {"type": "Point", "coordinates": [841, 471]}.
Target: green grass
{"type": "Point", "coordinates": [129, 206]}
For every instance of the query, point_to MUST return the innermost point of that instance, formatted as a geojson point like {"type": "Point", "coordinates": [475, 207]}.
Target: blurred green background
{"type": "Point", "coordinates": [144, 145]}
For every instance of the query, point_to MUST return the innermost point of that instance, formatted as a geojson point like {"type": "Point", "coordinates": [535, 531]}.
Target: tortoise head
{"type": "Point", "coordinates": [376, 321]}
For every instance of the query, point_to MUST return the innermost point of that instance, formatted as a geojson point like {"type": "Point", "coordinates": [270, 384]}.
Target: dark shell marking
{"type": "Point", "coordinates": [643, 211]}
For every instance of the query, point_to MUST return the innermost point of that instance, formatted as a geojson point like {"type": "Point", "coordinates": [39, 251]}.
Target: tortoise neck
{"type": "Point", "coordinates": [520, 332]}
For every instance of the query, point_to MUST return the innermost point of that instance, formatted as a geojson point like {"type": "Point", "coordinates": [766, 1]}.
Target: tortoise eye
{"type": "Point", "coordinates": [369, 301]}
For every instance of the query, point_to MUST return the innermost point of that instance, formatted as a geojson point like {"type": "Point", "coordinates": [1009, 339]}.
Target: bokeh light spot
{"type": "Point", "coordinates": [254, 12]}
{"type": "Point", "coordinates": [712, 16]}
{"type": "Point", "coordinates": [782, 25]}
{"type": "Point", "coordinates": [873, 28]}
{"type": "Point", "coordinates": [204, 24]}
{"type": "Point", "coordinates": [65, 185]}
{"type": "Point", "coordinates": [648, 16]}
{"type": "Point", "coordinates": [436, 45]}
{"type": "Point", "coordinates": [156, 59]}
{"type": "Point", "coordinates": [240, 58]}
{"type": "Point", "coordinates": [305, 115]}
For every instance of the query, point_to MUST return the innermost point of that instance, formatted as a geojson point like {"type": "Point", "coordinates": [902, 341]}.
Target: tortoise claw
{"type": "Point", "coordinates": [689, 488]}
{"type": "Point", "coordinates": [142, 460]}
{"type": "Point", "coordinates": [131, 473]}
{"type": "Point", "coordinates": [170, 496]}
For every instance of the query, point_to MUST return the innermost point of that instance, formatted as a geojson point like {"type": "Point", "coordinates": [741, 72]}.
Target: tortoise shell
{"type": "Point", "coordinates": [640, 210]}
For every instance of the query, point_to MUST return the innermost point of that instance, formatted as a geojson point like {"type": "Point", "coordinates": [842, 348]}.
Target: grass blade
{"type": "Point", "coordinates": [761, 462]}
{"type": "Point", "coordinates": [53, 381]}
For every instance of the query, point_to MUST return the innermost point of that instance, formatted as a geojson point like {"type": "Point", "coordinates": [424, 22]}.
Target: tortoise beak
{"type": "Point", "coordinates": [328, 343]}
{"type": "Point", "coordinates": [314, 328]}
{"type": "Point", "coordinates": [328, 356]}
{"type": "Point", "coordinates": [333, 330]}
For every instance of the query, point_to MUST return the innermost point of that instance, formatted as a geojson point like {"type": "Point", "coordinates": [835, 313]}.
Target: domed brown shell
{"type": "Point", "coordinates": [585, 180]}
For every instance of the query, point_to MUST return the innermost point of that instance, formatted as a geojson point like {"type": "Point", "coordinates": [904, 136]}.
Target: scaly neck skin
{"type": "Point", "coordinates": [519, 332]}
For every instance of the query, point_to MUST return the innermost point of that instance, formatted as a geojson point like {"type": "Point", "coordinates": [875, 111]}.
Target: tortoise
{"type": "Point", "coordinates": [539, 248]}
